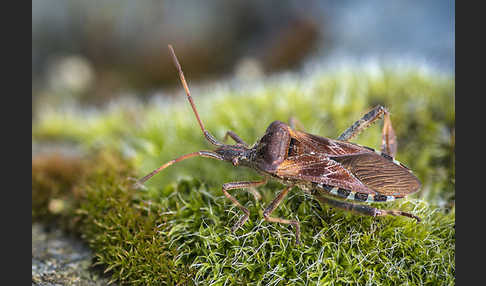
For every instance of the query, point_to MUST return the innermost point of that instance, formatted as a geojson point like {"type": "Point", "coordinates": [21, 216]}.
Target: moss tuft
{"type": "Point", "coordinates": [125, 230]}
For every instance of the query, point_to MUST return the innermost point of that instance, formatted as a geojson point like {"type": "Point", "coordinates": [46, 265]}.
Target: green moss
{"type": "Point", "coordinates": [178, 228]}
{"type": "Point", "coordinates": [124, 230]}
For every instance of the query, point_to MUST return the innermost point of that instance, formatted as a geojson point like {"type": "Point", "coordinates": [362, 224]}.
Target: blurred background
{"type": "Point", "coordinates": [94, 51]}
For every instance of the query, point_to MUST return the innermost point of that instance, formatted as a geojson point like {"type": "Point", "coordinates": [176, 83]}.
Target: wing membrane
{"type": "Point", "coordinates": [345, 165]}
{"type": "Point", "coordinates": [380, 174]}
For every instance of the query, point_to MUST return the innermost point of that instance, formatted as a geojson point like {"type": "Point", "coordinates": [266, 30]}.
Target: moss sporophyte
{"type": "Point", "coordinates": [325, 168]}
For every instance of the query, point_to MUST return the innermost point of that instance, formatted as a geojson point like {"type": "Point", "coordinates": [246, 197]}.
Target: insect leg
{"type": "Point", "coordinates": [389, 142]}
{"type": "Point", "coordinates": [295, 123]}
{"type": "Point", "coordinates": [362, 123]}
{"type": "Point", "coordinates": [255, 193]}
{"type": "Point", "coordinates": [389, 139]}
{"type": "Point", "coordinates": [273, 205]}
{"type": "Point", "coordinates": [240, 185]}
{"type": "Point", "coordinates": [235, 137]}
{"type": "Point", "coordinates": [363, 209]}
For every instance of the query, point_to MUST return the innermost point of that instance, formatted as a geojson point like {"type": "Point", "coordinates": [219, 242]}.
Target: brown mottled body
{"type": "Point", "coordinates": [329, 169]}
{"type": "Point", "coordinates": [294, 156]}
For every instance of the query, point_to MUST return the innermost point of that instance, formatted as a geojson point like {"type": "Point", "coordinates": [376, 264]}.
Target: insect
{"type": "Point", "coordinates": [332, 170]}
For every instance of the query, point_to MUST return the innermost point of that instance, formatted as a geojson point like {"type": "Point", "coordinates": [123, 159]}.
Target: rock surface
{"type": "Point", "coordinates": [58, 259]}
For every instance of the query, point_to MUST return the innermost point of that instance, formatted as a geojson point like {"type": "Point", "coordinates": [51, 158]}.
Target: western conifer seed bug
{"type": "Point", "coordinates": [332, 170]}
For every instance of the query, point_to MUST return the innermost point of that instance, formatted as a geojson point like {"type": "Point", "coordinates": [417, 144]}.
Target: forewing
{"type": "Point", "coordinates": [345, 165]}
{"type": "Point", "coordinates": [308, 143]}
{"type": "Point", "coordinates": [320, 169]}
{"type": "Point", "coordinates": [380, 174]}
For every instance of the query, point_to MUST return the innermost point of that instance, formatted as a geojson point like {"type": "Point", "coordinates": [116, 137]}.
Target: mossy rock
{"type": "Point", "coordinates": [178, 229]}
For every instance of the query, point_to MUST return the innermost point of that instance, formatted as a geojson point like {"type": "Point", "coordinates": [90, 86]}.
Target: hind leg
{"type": "Point", "coordinates": [363, 209]}
{"type": "Point", "coordinates": [389, 142]}
{"type": "Point", "coordinates": [389, 139]}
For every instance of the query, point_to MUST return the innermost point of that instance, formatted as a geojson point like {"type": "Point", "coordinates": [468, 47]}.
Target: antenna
{"type": "Point", "coordinates": [208, 135]}
{"type": "Point", "coordinates": [207, 154]}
